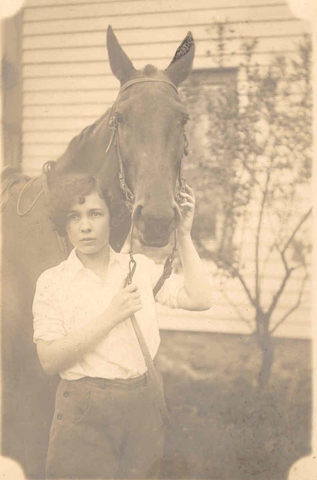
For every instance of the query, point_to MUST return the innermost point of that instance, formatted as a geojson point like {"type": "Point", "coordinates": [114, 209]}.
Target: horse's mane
{"type": "Point", "coordinates": [75, 155]}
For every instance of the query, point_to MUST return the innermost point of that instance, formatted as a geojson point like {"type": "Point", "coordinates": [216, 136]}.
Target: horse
{"type": "Point", "coordinates": [136, 147]}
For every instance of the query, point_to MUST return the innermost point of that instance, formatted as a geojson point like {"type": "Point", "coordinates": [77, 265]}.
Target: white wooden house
{"type": "Point", "coordinates": [59, 53]}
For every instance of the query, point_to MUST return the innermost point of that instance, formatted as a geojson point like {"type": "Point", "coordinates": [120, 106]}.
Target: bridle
{"type": "Point", "coordinates": [128, 194]}
{"type": "Point", "coordinates": [114, 140]}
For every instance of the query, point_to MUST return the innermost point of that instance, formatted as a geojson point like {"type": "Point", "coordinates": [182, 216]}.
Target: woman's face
{"type": "Point", "coordinates": [87, 225]}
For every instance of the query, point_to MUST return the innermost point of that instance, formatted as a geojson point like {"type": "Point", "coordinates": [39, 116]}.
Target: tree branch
{"type": "Point", "coordinates": [288, 270]}
{"type": "Point", "coordinates": [294, 307]}
{"type": "Point", "coordinates": [222, 263]}
{"type": "Point", "coordinates": [278, 294]}
{"type": "Point", "coordinates": [257, 240]}
{"type": "Point", "coordinates": [301, 222]}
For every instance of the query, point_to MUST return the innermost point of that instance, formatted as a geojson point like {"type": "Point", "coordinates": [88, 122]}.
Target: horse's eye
{"type": "Point", "coordinates": [185, 119]}
{"type": "Point", "coordinates": [119, 118]}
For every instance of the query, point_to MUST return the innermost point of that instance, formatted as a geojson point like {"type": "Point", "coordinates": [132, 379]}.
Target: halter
{"type": "Point", "coordinates": [129, 196]}
{"type": "Point", "coordinates": [114, 139]}
{"type": "Point", "coordinates": [146, 80]}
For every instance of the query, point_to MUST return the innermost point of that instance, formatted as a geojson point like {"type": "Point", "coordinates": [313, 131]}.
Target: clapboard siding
{"type": "Point", "coordinates": [261, 29]}
{"type": "Point", "coordinates": [190, 19]}
{"type": "Point", "coordinates": [145, 52]}
{"type": "Point", "coordinates": [119, 8]}
{"type": "Point", "coordinates": [127, 8]}
{"type": "Point", "coordinates": [86, 83]}
{"type": "Point", "coordinates": [64, 111]}
{"type": "Point", "coordinates": [74, 125]}
{"type": "Point", "coordinates": [53, 97]}
{"type": "Point", "coordinates": [227, 324]}
{"type": "Point", "coordinates": [65, 70]}
{"type": "Point", "coordinates": [102, 68]}
{"type": "Point", "coordinates": [72, 83]}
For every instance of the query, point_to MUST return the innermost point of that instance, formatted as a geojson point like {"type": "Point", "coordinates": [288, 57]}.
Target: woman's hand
{"type": "Point", "coordinates": [60, 354]}
{"type": "Point", "coordinates": [126, 302]}
{"type": "Point", "coordinates": [187, 208]}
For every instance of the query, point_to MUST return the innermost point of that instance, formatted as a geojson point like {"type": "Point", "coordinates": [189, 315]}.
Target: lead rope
{"type": "Point", "coordinates": [152, 374]}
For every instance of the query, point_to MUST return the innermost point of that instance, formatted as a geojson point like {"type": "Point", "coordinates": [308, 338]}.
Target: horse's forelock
{"type": "Point", "coordinates": [149, 70]}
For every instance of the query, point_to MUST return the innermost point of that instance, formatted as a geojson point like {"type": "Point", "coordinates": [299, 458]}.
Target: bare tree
{"type": "Point", "coordinates": [253, 175]}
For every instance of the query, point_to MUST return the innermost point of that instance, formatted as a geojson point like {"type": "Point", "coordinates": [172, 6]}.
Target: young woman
{"type": "Point", "coordinates": [106, 424]}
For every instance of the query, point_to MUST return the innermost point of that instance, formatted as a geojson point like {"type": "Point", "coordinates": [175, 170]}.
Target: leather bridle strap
{"type": "Point", "coordinates": [129, 196]}
{"type": "Point", "coordinates": [167, 270]}
{"type": "Point", "coordinates": [147, 80]}
{"type": "Point", "coordinates": [114, 139]}
{"type": "Point", "coordinates": [152, 374]}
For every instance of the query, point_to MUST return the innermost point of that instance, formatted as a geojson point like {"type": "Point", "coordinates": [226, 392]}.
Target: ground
{"type": "Point", "coordinates": [221, 427]}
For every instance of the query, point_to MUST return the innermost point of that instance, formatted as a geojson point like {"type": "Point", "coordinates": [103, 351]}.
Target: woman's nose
{"type": "Point", "coordinates": [85, 225]}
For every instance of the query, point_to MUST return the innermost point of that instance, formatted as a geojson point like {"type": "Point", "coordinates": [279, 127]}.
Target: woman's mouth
{"type": "Point", "coordinates": [87, 240]}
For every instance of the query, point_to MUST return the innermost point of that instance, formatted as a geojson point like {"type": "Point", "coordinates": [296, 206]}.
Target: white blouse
{"type": "Point", "coordinates": [69, 296]}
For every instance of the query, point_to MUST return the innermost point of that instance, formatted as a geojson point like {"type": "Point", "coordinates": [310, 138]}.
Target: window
{"type": "Point", "coordinates": [211, 99]}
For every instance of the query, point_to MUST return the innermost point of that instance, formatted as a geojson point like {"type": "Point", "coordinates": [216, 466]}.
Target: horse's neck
{"type": "Point", "coordinates": [86, 151]}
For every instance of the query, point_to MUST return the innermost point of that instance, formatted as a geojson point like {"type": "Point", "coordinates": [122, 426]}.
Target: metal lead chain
{"type": "Point", "coordinates": [132, 267]}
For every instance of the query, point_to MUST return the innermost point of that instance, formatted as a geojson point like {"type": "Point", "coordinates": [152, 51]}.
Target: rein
{"type": "Point", "coordinates": [25, 189]}
{"type": "Point", "coordinates": [43, 191]}
{"type": "Point", "coordinates": [9, 176]}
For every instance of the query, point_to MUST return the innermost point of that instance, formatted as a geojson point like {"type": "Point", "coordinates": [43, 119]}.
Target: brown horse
{"type": "Point", "coordinates": [137, 148]}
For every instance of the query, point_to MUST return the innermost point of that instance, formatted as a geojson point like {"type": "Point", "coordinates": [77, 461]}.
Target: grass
{"type": "Point", "coordinates": [221, 427]}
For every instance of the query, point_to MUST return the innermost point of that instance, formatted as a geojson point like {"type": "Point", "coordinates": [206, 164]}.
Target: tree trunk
{"type": "Point", "coordinates": [265, 342]}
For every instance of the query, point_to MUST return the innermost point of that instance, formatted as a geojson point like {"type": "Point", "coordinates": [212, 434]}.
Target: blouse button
{"type": "Point", "coordinates": [59, 416]}
{"type": "Point", "coordinates": [66, 394]}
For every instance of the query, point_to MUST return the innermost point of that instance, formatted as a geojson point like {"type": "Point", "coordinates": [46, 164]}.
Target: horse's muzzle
{"type": "Point", "coordinates": [155, 227]}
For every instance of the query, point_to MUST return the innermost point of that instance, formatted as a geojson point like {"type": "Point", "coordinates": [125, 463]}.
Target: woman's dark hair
{"type": "Point", "coordinates": [71, 189]}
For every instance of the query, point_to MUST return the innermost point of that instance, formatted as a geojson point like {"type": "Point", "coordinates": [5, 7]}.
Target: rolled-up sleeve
{"type": "Point", "coordinates": [168, 294]}
{"type": "Point", "coordinates": [47, 319]}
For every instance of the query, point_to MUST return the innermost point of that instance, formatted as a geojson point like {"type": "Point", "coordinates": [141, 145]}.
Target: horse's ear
{"type": "Point", "coordinates": [120, 63]}
{"type": "Point", "coordinates": [182, 63]}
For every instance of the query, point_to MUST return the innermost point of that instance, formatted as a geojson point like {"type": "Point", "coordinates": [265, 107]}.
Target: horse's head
{"type": "Point", "coordinates": [148, 121]}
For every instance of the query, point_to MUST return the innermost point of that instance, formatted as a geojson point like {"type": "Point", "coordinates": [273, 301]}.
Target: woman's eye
{"type": "Point", "coordinates": [96, 214]}
{"type": "Point", "coordinates": [72, 217]}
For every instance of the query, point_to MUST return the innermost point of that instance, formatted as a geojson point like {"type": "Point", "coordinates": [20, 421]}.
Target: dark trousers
{"type": "Point", "coordinates": [105, 429]}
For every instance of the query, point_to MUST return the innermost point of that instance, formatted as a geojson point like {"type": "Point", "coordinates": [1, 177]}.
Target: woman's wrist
{"type": "Point", "coordinates": [183, 237]}
{"type": "Point", "coordinates": [109, 320]}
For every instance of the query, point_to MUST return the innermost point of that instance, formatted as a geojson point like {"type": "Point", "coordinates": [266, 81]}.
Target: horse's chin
{"type": "Point", "coordinates": [152, 243]}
